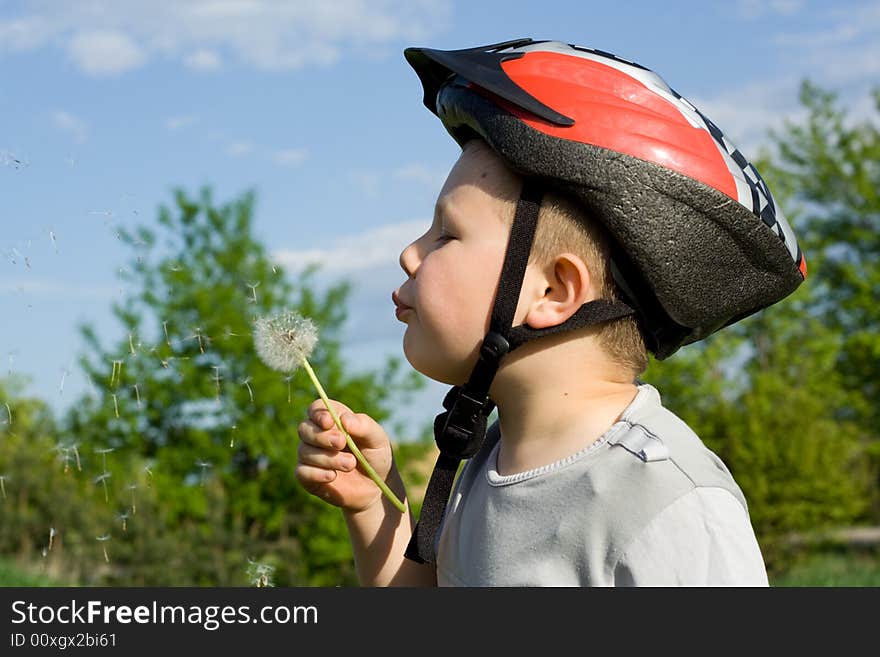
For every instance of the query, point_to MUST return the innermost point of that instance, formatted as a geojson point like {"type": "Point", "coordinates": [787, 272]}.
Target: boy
{"type": "Point", "coordinates": [593, 213]}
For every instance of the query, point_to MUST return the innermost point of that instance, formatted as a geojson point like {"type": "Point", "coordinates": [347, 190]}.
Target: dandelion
{"type": "Point", "coordinates": [260, 574]}
{"type": "Point", "coordinates": [103, 541]}
{"type": "Point", "coordinates": [284, 343]}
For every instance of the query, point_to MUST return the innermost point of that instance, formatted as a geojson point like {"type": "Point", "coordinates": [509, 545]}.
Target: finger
{"type": "Point", "coordinates": [324, 458]}
{"type": "Point", "coordinates": [312, 434]}
{"type": "Point", "coordinates": [312, 478]}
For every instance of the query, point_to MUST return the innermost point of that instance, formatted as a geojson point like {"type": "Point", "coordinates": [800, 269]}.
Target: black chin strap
{"type": "Point", "coordinates": [460, 430]}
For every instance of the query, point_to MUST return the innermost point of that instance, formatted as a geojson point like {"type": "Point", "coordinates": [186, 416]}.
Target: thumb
{"type": "Point", "coordinates": [364, 430]}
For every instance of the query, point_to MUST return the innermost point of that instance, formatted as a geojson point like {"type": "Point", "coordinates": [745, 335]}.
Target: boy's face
{"type": "Point", "coordinates": [453, 269]}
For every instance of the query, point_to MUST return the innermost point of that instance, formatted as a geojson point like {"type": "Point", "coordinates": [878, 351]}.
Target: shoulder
{"type": "Point", "coordinates": [704, 538]}
{"type": "Point", "coordinates": [656, 434]}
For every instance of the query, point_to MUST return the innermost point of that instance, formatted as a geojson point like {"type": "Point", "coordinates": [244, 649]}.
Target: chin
{"type": "Point", "coordinates": [432, 367]}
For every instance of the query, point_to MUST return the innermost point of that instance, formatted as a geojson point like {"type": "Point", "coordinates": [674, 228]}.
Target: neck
{"type": "Point", "coordinates": [548, 409]}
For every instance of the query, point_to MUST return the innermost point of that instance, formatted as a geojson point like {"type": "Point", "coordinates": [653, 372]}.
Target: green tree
{"type": "Point", "coordinates": [189, 410]}
{"type": "Point", "coordinates": [829, 167]}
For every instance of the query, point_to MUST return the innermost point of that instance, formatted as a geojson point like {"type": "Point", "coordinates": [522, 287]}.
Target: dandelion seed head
{"type": "Point", "coordinates": [284, 340]}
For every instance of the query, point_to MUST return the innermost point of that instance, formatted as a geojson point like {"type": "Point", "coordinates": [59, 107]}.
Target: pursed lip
{"type": "Point", "coordinates": [400, 306]}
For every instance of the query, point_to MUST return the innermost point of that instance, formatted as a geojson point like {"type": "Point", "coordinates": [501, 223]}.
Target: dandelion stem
{"type": "Point", "coordinates": [350, 443]}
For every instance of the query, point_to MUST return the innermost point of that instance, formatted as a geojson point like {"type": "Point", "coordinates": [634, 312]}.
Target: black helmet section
{"type": "Point", "coordinates": [481, 66]}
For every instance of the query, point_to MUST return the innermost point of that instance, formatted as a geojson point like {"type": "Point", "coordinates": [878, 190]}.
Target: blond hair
{"type": "Point", "coordinates": [565, 226]}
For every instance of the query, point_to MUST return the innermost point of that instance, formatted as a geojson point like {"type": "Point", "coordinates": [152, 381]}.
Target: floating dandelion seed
{"type": "Point", "coordinates": [103, 451]}
{"type": "Point", "coordinates": [133, 488]}
{"type": "Point", "coordinates": [122, 516]}
{"type": "Point", "coordinates": [247, 383]}
{"type": "Point", "coordinates": [149, 474]}
{"type": "Point", "coordinates": [287, 379]}
{"type": "Point", "coordinates": [232, 436]}
{"type": "Point", "coordinates": [116, 374]}
{"type": "Point", "coordinates": [9, 412]}
{"type": "Point", "coordinates": [103, 540]}
{"type": "Point", "coordinates": [284, 342]}
{"type": "Point", "coordinates": [3, 485]}
{"type": "Point", "coordinates": [253, 287]}
{"type": "Point", "coordinates": [198, 336]}
{"type": "Point", "coordinates": [260, 574]}
{"type": "Point", "coordinates": [131, 345]}
{"type": "Point", "coordinates": [54, 241]}
{"type": "Point", "coordinates": [203, 465]}
{"type": "Point", "coordinates": [115, 404]}
{"type": "Point", "coordinates": [165, 328]}
{"type": "Point", "coordinates": [102, 479]}
{"type": "Point", "coordinates": [64, 374]}
{"type": "Point", "coordinates": [137, 395]}
{"type": "Point", "coordinates": [51, 537]}
{"type": "Point", "coordinates": [217, 379]}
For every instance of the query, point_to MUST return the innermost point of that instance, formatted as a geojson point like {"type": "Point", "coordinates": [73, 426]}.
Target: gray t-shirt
{"type": "Point", "coordinates": [647, 504]}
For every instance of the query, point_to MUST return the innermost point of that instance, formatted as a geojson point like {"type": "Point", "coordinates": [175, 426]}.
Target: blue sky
{"type": "Point", "coordinates": [106, 106]}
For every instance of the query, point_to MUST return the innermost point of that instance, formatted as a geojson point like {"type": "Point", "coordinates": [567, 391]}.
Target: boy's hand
{"type": "Point", "coordinates": [328, 470]}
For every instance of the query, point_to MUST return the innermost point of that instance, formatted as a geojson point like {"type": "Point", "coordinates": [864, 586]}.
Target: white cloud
{"type": "Point", "coordinates": [178, 122]}
{"type": "Point", "coordinates": [290, 156]}
{"type": "Point", "coordinates": [754, 9]}
{"type": "Point", "coordinates": [105, 52]}
{"type": "Point", "coordinates": [378, 248]}
{"type": "Point", "coordinates": [24, 33]}
{"type": "Point", "coordinates": [239, 148]}
{"type": "Point", "coordinates": [104, 37]}
{"type": "Point", "coordinates": [73, 126]}
{"type": "Point", "coordinates": [203, 60]}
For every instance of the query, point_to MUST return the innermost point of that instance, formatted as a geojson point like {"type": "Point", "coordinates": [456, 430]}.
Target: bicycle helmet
{"type": "Point", "coordinates": [698, 242]}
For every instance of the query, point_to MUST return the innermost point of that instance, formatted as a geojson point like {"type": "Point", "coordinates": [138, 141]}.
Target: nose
{"type": "Point", "coordinates": [409, 259]}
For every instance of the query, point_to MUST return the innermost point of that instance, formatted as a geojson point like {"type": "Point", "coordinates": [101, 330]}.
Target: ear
{"type": "Point", "coordinates": [557, 290]}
